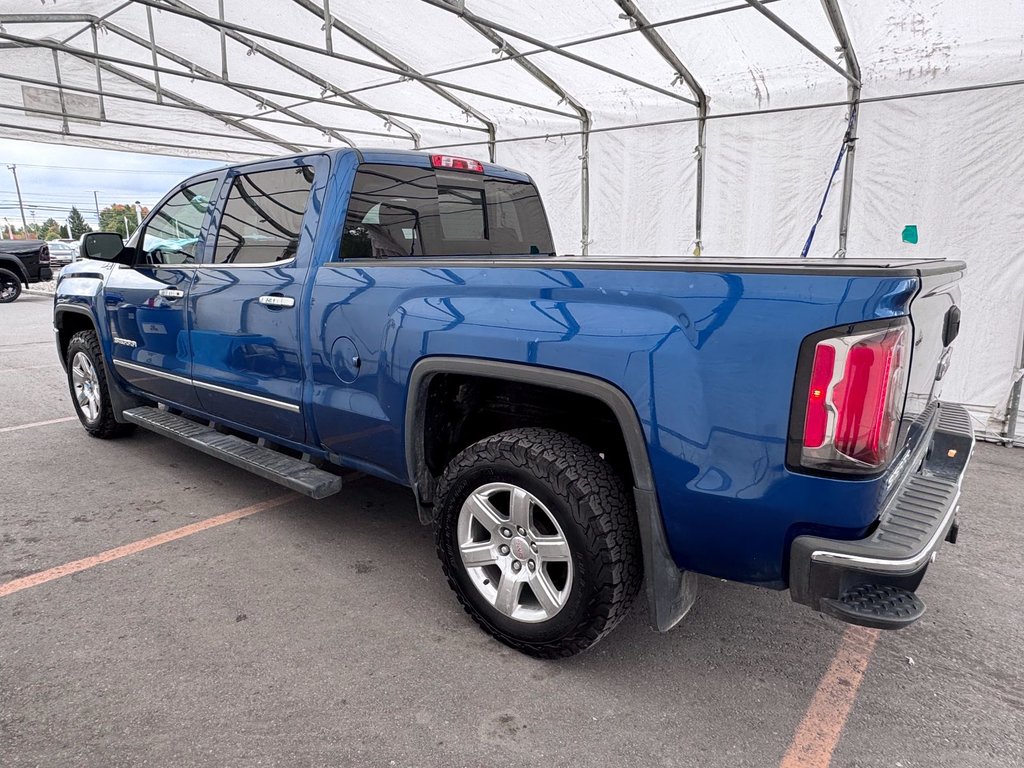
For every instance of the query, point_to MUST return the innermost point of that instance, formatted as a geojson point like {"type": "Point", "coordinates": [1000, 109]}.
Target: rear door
{"type": "Point", "coordinates": [246, 301]}
{"type": "Point", "coordinates": [147, 303]}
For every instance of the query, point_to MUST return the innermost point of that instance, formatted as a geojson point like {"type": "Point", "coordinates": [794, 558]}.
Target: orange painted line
{"type": "Point", "coordinates": [77, 566]}
{"type": "Point", "coordinates": [38, 424]}
{"type": "Point", "coordinates": [816, 737]}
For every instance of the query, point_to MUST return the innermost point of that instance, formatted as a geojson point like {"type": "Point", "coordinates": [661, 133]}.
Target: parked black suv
{"type": "Point", "coordinates": [22, 262]}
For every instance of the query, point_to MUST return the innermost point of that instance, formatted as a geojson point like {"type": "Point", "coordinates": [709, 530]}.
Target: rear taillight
{"type": "Point", "coordinates": [44, 255]}
{"type": "Point", "coordinates": [854, 399]}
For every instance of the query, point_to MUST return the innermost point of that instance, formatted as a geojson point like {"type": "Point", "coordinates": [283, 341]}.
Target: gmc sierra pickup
{"type": "Point", "coordinates": [572, 427]}
{"type": "Point", "coordinates": [22, 262]}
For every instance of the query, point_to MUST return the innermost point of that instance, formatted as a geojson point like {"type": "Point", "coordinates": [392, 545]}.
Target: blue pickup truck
{"type": "Point", "coordinates": [573, 427]}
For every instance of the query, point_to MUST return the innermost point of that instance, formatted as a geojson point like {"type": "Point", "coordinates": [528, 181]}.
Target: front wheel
{"type": "Point", "coordinates": [10, 286]}
{"type": "Point", "coordinates": [539, 541]}
{"type": "Point", "coordinates": [87, 381]}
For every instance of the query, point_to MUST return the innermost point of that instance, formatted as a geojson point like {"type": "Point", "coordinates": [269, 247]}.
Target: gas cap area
{"type": "Point", "coordinates": [345, 359]}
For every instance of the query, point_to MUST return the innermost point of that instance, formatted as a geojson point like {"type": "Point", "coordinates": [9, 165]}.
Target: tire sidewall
{"type": "Point", "coordinates": [77, 345]}
{"type": "Point", "coordinates": [575, 610]}
{"type": "Point", "coordinates": [7, 275]}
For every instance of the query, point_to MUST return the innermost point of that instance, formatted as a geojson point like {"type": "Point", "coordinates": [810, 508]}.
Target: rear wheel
{"type": "Point", "coordinates": [87, 381]}
{"type": "Point", "coordinates": [10, 286]}
{"type": "Point", "coordinates": [539, 541]}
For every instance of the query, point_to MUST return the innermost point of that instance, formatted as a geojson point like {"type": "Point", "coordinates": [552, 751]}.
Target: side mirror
{"type": "Point", "coordinates": [103, 246]}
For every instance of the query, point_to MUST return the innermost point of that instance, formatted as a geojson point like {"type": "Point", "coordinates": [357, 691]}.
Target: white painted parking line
{"type": "Point", "coordinates": [38, 424]}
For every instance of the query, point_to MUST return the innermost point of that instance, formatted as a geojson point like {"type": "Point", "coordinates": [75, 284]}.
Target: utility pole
{"type": "Point", "coordinates": [17, 188]}
{"type": "Point", "coordinates": [96, 199]}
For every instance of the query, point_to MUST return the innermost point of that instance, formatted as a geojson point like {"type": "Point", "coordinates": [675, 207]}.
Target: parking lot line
{"type": "Point", "coordinates": [818, 734]}
{"type": "Point", "coordinates": [76, 566]}
{"type": "Point", "coordinates": [38, 424]}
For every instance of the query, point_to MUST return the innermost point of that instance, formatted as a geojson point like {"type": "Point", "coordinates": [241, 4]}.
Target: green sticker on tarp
{"type": "Point", "coordinates": [910, 234]}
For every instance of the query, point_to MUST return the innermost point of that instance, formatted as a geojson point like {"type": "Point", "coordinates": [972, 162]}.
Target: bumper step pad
{"type": "Point", "coordinates": [873, 605]}
{"type": "Point", "coordinates": [290, 472]}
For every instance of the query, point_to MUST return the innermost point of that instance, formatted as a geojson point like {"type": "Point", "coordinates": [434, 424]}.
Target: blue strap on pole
{"type": "Point", "coordinates": [821, 209]}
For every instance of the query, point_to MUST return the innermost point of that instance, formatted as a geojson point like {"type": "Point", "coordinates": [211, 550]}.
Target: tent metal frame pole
{"type": "Point", "coordinates": [173, 105]}
{"type": "Point", "coordinates": [152, 49]}
{"type": "Point", "coordinates": [99, 70]}
{"type": "Point", "coordinates": [252, 130]}
{"type": "Point", "coordinates": [771, 16]}
{"type": "Point", "coordinates": [304, 73]}
{"type": "Point", "coordinates": [328, 27]}
{"type": "Point", "coordinates": [149, 126]}
{"type": "Point", "coordinates": [573, 43]}
{"type": "Point", "coordinates": [835, 18]}
{"type": "Point", "coordinates": [631, 12]}
{"type": "Point", "coordinates": [1013, 405]}
{"type": "Point", "coordinates": [223, 42]}
{"type": "Point", "coordinates": [459, 9]}
{"type": "Point", "coordinates": [410, 74]}
{"type": "Point", "coordinates": [219, 152]}
{"type": "Point", "coordinates": [249, 94]}
{"type": "Point", "coordinates": [193, 74]}
{"type": "Point", "coordinates": [584, 118]}
{"type": "Point", "coordinates": [60, 93]}
{"type": "Point", "coordinates": [377, 49]}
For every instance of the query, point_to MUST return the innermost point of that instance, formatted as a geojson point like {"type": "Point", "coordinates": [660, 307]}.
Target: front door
{"type": "Point", "coordinates": [147, 303]}
{"type": "Point", "coordinates": [247, 296]}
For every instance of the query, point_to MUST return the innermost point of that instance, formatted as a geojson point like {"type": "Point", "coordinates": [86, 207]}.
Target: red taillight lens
{"type": "Point", "coordinates": [451, 163]}
{"type": "Point", "coordinates": [816, 422]}
{"type": "Point", "coordinates": [855, 400]}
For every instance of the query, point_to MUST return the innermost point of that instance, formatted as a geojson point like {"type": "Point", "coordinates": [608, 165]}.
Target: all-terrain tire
{"type": "Point", "coordinates": [591, 505]}
{"type": "Point", "coordinates": [10, 286]}
{"type": "Point", "coordinates": [102, 424]}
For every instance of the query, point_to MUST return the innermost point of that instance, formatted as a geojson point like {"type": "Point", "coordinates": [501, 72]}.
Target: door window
{"type": "Point", "coordinates": [262, 219]}
{"type": "Point", "coordinates": [172, 234]}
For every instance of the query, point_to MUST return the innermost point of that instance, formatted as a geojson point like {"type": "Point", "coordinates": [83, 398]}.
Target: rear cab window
{"type": "Point", "coordinates": [399, 211]}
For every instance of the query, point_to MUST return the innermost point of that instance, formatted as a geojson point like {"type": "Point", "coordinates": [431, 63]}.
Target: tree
{"type": "Point", "coordinates": [78, 225]}
{"type": "Point", "coordinates": [113, 218]}
{"type": "Point", "coordinates": [50, 230]}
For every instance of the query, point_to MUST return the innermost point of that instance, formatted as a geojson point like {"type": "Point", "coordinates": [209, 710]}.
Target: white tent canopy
{"type": "Point", "coordinates": [652, 126]}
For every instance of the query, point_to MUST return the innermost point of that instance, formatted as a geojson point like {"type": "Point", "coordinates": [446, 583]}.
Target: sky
{"type": "Point", "coordinates": [53, 177]}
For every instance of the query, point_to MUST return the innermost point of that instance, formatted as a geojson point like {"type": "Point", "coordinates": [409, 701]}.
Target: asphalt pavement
{"type": "Point", "coordinates": [324, 634]}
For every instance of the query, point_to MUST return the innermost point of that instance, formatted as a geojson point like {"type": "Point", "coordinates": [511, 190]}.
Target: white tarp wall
{"type": "Point", "coordinates": [225, 79]}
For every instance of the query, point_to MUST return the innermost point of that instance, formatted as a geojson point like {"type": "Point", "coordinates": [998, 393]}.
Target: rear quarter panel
{"type": "Point", "coordinates": [706, 358]}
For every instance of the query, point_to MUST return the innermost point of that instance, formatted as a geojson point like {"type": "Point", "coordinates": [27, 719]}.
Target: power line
{"type": "Point", "coordinates": [106, 170]}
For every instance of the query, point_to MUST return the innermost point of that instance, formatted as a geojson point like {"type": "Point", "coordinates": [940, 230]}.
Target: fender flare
{"type": "Point", "coordinates": [670, 591]}
{"type": "Point", "coordinates": [13, 264]}
{"type": "Point", "coordinates": [120, 399]}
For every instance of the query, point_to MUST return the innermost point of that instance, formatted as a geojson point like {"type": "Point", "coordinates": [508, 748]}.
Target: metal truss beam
{"type": "Point", "coordinates": [290, 43]}
{"type": "Point", "coordinates": [219, 151]}
{"type": "Point", "coordinates": [459, 9]}
{"type": "Point", "coordinates": [640, 21]}
{"type": "Point", "coordinates": [758, 5]}
{"type": "Point", "coordinates": [395, 61]}
{"type": "Point", "coordinates": [835, 18]}
{"type": "Point", "coordinates": [218, 113]}
{"type": "Point", "coordinates": [182, 61]}
{"type": "Point", "coordinates": [584, 117]}
{"type": "Point", "coordinates": [193, 74]}
{"type": "Point", "coordinates": [300, 71]}
{"type": "Point", "coordinates": [143, 83]}
{"type": "Point", "coordinates": [572, 43]}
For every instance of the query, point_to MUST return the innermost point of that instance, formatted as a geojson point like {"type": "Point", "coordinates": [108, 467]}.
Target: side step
{"type": "Point", "coordinates": [878, 606]}
{"type": "Point", "coordinates": [292, 473]}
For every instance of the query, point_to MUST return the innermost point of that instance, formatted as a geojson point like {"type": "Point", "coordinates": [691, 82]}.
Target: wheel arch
{"type": "Point", "coordinates": [12, 264]}
{"type": "Point", "coordinates": [670, 592]}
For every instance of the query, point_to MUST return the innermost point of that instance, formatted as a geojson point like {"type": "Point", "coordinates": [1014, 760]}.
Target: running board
{"type": "Point", "coordinates": [292, 473]}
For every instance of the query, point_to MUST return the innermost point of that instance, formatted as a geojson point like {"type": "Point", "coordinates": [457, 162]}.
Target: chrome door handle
{"type": "Point", "coordinates": [171, 293]}
{"type": "Point", "coordinates": [273, 300]}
